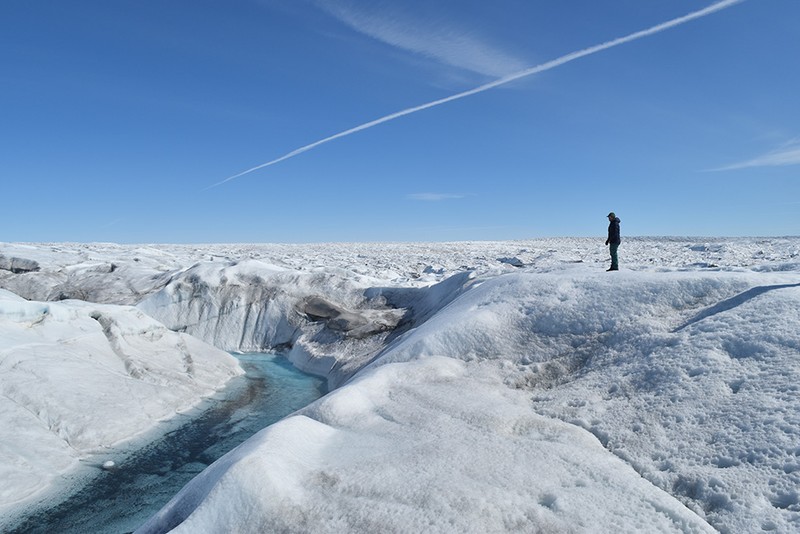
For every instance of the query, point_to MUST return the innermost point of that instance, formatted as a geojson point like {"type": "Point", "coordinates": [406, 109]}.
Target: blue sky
{"type": "Point", "coordinates": [121, 121]}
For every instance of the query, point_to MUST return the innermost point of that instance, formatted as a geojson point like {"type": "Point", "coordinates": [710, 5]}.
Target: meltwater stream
{"type": "Point", "coordinates": [123, 498]}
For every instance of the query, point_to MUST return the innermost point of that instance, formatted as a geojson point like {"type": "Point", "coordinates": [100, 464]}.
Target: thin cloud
{"type": "Point", "coordinates": [113, 223]}
{"type": "Point", "coordinates": [788, 154]}
{"type": "Point", "coordinates": [501, 81]}
{"type": "Point", "coordinates": [433, 197]}
{"type": "Point", "coordinates": [448, 45]}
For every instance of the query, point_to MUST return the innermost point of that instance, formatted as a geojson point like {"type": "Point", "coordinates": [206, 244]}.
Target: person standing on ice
{"type": "Point", "coordinates": [613, 240]}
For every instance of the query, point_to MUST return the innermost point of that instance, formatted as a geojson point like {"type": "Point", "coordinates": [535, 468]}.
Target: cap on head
{"type": "Point", "coordinates": [612, 215]}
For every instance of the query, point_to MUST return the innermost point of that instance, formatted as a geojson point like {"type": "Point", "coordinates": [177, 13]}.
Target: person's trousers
{"type": "Point", "coordinates": [614, 260]}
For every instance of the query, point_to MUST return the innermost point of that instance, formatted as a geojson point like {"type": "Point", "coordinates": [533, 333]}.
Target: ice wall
{"type": "Point", "coordinates": [322, 317]}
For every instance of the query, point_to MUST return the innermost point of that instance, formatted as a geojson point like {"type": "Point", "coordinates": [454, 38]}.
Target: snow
{"type": "Point", "coordinates": [479, 387]}
{"type": "Point", "coordinates": [429, 445]}
{"type": "Point", "coordinates": [80, 377]}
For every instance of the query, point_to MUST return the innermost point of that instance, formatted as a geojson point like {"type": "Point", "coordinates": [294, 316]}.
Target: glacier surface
{"type": "Point", "coordinates": [477, 387]}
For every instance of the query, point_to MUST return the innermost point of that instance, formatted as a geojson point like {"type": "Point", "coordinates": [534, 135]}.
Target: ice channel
{"type": "Point", "coordinates": [123, 496]}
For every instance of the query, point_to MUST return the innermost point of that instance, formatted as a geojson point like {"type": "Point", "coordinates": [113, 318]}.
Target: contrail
{"type": "Point", "coordinates": [501, 81]}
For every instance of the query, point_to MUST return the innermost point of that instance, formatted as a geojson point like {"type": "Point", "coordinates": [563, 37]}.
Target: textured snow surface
{"type": "Point", "coordinates": [79, 377]}
{"type": "Point", "coordinates": [481, 387]}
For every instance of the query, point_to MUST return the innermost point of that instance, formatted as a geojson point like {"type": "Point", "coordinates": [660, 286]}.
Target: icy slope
{"type": "Point", "coordinates": [691, 378]}
{"type": "Point", "coordinates": [78, 377]}
{"type": "Point", "coordinates": [433, 445]}
{"type": "Point", "coordinates": [569, 401]}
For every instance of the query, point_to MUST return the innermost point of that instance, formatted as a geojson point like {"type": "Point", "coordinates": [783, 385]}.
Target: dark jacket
{"type": "Point", "coordinates": [613, 232]}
